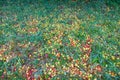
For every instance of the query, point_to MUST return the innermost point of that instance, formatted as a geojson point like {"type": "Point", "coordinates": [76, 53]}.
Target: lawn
{"type": "Point", "coordinates": [59, 40]}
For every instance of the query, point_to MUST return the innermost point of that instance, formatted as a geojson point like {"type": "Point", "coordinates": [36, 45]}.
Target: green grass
{"type": "Point", "coordinates": [47, 40]}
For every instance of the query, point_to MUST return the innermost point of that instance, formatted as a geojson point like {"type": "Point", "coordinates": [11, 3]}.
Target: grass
{"type": "Point", "coordinates": [59, 40]}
